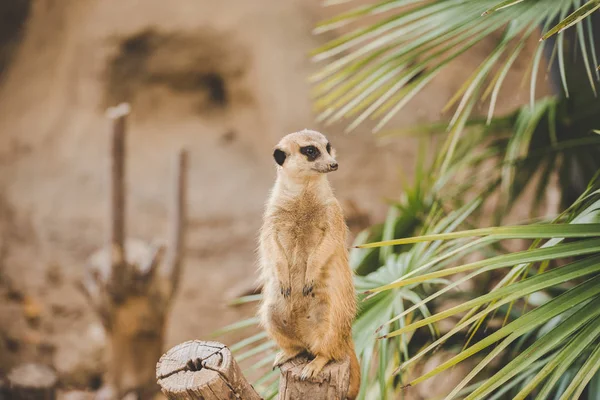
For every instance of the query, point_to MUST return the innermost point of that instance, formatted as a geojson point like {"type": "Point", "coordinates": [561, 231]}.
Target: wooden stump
{"type": "Point", "coordinates": [331, 384]}
{"type": "Point", "coordinates": [32, 382]}
{"type": "Point", "coordinates": [197, 370]}
{"type": "Point", "coordinates": [130, 283]}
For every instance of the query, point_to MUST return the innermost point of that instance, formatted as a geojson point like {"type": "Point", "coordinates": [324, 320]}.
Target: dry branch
{"type": "Point", "coordinates": [129, 282]}
{"type": "Point", "coordinates": [118, 116]}
{"type": "Point", "coordinates": [177, 219]}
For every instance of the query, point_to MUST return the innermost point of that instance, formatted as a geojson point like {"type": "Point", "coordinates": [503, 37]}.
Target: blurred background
{"type": "Point", "coordinates": [224, 79]}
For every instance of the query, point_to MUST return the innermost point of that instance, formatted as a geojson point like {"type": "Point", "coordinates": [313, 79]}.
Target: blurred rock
{"type": "Point", "coordinates": [76, 395]}
{"type": "Point", "coordinates": [35, 381]}
{"type": "Point", "coordinates": [106, 392]}
{"type": "Point", "coordinates": [79, 358]}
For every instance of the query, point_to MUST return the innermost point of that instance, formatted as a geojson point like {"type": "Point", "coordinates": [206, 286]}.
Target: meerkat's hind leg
{"type": "Point", "coordinates": [286, 355]}
{"type": "Point", "coordinates": [312, 369]}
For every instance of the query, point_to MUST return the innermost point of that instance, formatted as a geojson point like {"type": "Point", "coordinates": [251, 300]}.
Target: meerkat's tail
{"type": "Point", "coordinates": [354, 373]}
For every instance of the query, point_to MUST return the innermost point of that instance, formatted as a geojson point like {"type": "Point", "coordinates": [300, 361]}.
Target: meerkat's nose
{"type": "Point", "coordinates": [333, 166]}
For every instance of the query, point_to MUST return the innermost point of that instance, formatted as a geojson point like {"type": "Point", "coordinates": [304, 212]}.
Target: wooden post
{"type": "Point", "coordinates": [129, 284]}
{"type": "Point", "coordinates": [197, 370]}
{"type": "Point", "coordinates": [117, 116]}
{"type": "Point", "coordinates": [331, 384]}
{"type": "Point", "coordinates": [32, 382]}
{"type": "Point", "coordinates": [177, 217]}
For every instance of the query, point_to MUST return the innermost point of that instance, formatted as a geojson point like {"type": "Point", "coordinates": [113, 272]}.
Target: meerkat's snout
{"type": "Point", "coordinates": [332, 166]}
{"type": "Point", "coordinates": [329, 159]}
{"type": "Point", "coordinates": [320, 161]}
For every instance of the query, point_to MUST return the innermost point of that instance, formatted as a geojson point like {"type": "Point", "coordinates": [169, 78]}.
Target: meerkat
{"type": "Point", "coordinates": [309, 301]}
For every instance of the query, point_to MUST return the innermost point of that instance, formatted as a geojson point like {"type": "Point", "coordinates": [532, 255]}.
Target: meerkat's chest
{"type": "Point", "coordinates": [301, 223]}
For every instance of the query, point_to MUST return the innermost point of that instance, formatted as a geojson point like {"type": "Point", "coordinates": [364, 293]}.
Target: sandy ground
{"type": "Point", "coordinates": [224, 79]}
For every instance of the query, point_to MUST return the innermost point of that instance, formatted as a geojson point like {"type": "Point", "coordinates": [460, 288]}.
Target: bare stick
{"type": "Point", "coordinates": [197, 370]}
{"type": "Point", "coordinates": [125, 284]}
{"type": "Point", "coordinates": [332, 383]}
{"type": "Point", "coordinates": [117, 191]}
{"type": "Point", "coordinates": [177, 218]}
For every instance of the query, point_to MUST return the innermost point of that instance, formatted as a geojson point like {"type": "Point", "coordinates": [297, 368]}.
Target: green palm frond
{"type": "Point", "coordinates": [576, 17]}
{"type": "Point", "coordinates": [374, 70]}
{"type": "Point", "coordinates": [578, 308]}
{"type": "Point", "coordinates": [549, 136]}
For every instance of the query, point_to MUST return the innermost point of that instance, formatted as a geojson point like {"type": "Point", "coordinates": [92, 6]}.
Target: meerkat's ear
{"type": "Point", "coordinates": [279, 156]}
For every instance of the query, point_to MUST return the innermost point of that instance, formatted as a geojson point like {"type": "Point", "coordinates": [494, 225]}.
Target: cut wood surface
{"type": "Point", "coordinates": [31, 382]}
{"type": "Point", "coordinates": [197, 370]}
{"type": "Point", "coordinates": [331, 384]}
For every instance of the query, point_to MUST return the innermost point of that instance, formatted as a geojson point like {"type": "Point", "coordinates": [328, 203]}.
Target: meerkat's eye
{"type": "Point", "coordinates": [311, 152]}
{"type": "Point", "coordinates": [328, 148]}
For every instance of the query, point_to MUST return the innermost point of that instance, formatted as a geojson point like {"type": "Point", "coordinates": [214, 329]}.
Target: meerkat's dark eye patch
{"type": "Point", "coordinates": [279, 156]}
{"type": "Point", "coordinates": [311, 152]}
{"type": "Point", "coordinates": [328, 148]}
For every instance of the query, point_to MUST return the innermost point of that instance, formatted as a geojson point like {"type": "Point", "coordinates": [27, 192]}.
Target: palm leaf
{"type": "Point", "coordinates": [588, 370]}
{"type": "Point", "coordinates": [500, 6]}
{"type": "Point", "coordinates": [542, 346]}
{"type": "Point", "coordinates": [561, 362]}
{"type": "Point", "coordinates": [573, 18]}
{"type": "Point", "coordinates": [514, 291]}
{"type": "Point", "coordinates": [504, 232]}
{"type": "Point", "coordinates": [527, 322]}
{"type": "Point", "coordinates": [375, 70]}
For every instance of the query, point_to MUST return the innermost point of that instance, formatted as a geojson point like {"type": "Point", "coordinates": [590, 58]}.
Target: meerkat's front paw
{"type": "Point", "coordinates": [285, 289]}
{"type": "Point", "coordinates": [308, 287]}
{"type": "Point", "coordinates": [313, 368]}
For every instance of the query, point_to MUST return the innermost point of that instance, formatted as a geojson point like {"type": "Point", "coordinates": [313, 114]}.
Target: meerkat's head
{"type": "Point", "coordinates": [305, 154]}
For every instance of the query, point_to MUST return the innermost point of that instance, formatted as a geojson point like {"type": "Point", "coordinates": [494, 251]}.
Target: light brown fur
{"type": "Point", "coordinates": [309, 301]}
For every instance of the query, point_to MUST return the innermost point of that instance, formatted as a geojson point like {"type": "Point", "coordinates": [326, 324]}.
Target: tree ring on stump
{"type": "Point", "coordinates": [199, 369]}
